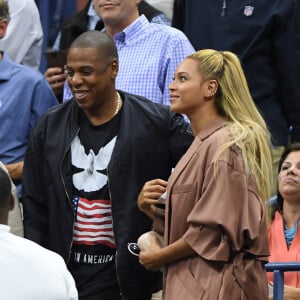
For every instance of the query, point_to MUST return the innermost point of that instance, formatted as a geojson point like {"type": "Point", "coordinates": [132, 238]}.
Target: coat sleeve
{"type": "Point", "coordinates": [180, 137]}
{"type": "Point", "coordinates": [228, 217]}
{"type": "Point", "coordinates": [34, 197]}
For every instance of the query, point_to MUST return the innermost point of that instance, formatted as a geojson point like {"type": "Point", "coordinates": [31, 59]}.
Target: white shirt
{"type": "Point", "coordinates": [165, 6]}
{"type": "Point", "coordinates": [24, 36]}
{"type": "Point", "coordinates": [31, 272]}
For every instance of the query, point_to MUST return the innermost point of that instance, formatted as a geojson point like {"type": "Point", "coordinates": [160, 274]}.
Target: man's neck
{"type": "Point", "coordinates": [113, 29]}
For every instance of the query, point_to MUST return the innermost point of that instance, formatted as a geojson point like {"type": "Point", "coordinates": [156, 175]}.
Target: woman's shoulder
{"type": "Point", "coordinates": [219, 148]}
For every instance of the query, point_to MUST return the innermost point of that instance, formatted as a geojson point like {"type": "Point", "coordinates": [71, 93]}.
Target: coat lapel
{"type": "Point", "coordinates": [198, 140]}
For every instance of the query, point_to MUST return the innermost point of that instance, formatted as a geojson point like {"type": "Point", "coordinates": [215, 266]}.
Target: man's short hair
{"type": "Point", "coordinates": [99, 40]}
{"type": "Point", "coordinates": [4, 10]}
{"type": "Point", "coordinates": [5, 186]}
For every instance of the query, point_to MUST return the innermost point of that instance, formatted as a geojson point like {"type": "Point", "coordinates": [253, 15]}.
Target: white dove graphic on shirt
{"type": "Point", "coordinates": [90, 180]}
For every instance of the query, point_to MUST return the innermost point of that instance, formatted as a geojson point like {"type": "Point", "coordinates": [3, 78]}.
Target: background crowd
{"type": "Point", "coordinates": [85, 156]}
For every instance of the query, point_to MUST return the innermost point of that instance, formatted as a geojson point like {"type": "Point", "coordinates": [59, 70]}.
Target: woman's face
{"type": "Point", "coordinates": [187, 89]}
{"type": "Point", "coordinates": [289, 176]}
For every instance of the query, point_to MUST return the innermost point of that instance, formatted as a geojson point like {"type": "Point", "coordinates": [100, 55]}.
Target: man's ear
{"type": "Point", "coordinates": [11, 202]}
{"type": "Point", "coordinates": [115, 68]}
{"type": "Point", "coordinates": [3, 27]}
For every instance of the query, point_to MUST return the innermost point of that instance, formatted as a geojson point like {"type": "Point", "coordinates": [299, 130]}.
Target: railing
{"type": "Point", "coordinates": [278, 269]}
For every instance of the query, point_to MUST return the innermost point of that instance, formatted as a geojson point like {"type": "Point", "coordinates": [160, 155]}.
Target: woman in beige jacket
{"type": "Point", "coordinates": [214, 226]}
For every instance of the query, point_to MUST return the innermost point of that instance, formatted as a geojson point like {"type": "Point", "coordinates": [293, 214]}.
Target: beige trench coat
{"type": "Point", "coordinates": [222, 218]}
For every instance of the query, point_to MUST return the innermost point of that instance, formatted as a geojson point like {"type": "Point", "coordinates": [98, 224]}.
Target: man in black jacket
{"type": "Point", "coordinates": [86, 163]}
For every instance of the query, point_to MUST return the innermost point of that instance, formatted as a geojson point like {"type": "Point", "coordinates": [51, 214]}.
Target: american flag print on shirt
{"type": "Point", "coordinates": [93, 225]}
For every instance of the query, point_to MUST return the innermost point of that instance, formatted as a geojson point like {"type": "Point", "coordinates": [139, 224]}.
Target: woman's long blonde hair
{"type": "Point", "coordinates": [234, 102]}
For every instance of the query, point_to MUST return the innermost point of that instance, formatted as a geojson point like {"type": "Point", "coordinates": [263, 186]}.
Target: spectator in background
{"type": "Point", "coordinates": [265, 36]}
{"type": "Point", "coordinates": [88, 19]}
{"type": "Point", "coordinates": [53, 13]}
{"type": "Point", "coordinates": [284, 233]}
{"type": "Point", "coordinates": [24, 37]}
{"type": "Point", "coordinates": [148, 53]}
{"type": "Point", "coordinates": [27, 270]}
{"type": "Point", "coordinates": [86, 162]}
{"type": "Point", "coordinates": [15, 221]}
{"type": "Point", "coordinates": [166, 6]}
{"type": "Point", "coordinates": [24, 95]}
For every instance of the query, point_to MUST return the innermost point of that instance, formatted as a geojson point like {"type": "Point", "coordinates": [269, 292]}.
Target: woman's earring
{"type": "Point", "coordinates": [209, 97]}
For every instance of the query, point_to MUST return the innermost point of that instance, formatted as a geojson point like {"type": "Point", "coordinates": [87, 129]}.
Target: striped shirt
{"type": "Point", "coordinates": [93, 19]}
{"type": "Point", "coordinates": [93, 223]}
{"type": "Point", "coordinates": [148, 57]}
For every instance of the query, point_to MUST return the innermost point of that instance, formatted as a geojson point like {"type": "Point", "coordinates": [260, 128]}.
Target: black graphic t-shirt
{"type": "Point", "coordinates": [93, 252]}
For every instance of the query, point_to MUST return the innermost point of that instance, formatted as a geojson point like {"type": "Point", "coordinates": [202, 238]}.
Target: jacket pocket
{"type": "Point", "coordinates": [182, 203]}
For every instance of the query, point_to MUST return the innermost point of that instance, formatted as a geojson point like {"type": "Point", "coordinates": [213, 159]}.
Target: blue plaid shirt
{"type": "Point", "coordinates": [94, 19]}
{"type": "Point", "coordinates": [148, 57]}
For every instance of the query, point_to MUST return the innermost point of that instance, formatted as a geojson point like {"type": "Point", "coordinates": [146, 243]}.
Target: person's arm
{"type": "Point", "coordinates": [290, 293]}
{"type": "Point", "coordinates": [34, 195]}
{"type": "Point", "coordinates": [157, 257]}
{"type": "Point", "coordinates": [180, 137]}
{"type": "Point", "coordinates": [15, 170]}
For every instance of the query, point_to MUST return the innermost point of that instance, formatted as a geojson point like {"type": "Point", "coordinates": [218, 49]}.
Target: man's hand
{"type": "Point", "coordinates": [56, 78]}
{"type": "Point", "coordinates": [150, 194]}
{"type": "Point", "coordinates": [15, 171]}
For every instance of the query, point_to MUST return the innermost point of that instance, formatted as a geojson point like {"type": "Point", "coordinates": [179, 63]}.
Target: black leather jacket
{"type": "Point", "coordinates": [151, 140]}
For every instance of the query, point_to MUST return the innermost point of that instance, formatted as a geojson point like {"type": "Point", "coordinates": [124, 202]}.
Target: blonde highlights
{"type": "Point", "coordinates": [247, 127]}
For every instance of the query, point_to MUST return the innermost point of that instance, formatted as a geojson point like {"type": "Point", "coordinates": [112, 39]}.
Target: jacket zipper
{"type": "Point", "coordinates": [112, 220]}
{"type": "Point", "coordinates": [62, 178]}
{"type": "Point", "coordinates": [224, 7]}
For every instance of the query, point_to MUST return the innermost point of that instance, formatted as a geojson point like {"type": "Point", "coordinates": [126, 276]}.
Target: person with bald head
{"type": "Point", "coordinates": [27, 270]}
{"type": "Point", "coordinates": [86, 162]}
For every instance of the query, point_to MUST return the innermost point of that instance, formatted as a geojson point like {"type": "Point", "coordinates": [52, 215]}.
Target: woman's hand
{"type": "Point", "coordinates": [150, 194]}
{"type": "Point", "coordinates": [156, 257]}
{"type": "Point", "coordinates": [149, 255]}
